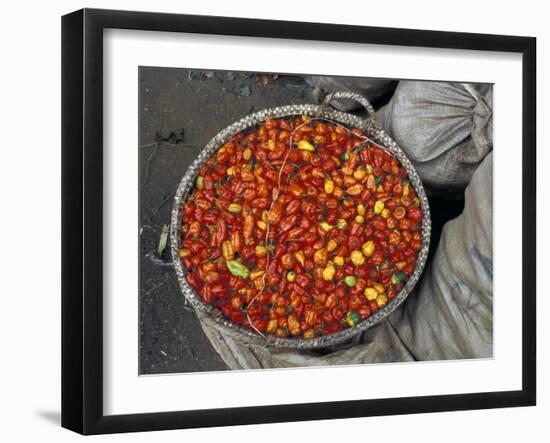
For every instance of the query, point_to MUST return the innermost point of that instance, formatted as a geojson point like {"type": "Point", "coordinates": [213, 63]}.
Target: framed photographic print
{"type": "Point", "coordinates": [273, 221]}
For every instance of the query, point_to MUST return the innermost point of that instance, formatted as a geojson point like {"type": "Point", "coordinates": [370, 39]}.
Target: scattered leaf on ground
{"type": "Point", "coordinates": [163, 240]}
{"type": "Point", "coordinates": [174, 137]}
{"type": "Point", "coordinates": [242, 90]}
{"type": "Point", "coordinates": [197, 75]}
{"type": "Point", "coordinates": [296, 87]}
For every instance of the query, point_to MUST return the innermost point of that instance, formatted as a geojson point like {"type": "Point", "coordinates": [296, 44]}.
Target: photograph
{"type": "Point", "coordinates": [246, 222]}
{"type": "Point", "coordinates": [290, 221]}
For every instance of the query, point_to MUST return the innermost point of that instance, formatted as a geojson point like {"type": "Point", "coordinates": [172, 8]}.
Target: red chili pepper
{"type": "Point", "coordinates": [221, 230]}
{"type": "Point", "coordinates": [292, 207]}
{"type": "Point", "coordinates": [414, 214]}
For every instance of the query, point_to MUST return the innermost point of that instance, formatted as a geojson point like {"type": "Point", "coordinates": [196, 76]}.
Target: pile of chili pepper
{"type": "Point", "coordinates": [300, 228]}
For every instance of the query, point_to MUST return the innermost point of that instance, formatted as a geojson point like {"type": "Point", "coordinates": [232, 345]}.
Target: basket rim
{"type": "Point", "coordinates": [210, 313]}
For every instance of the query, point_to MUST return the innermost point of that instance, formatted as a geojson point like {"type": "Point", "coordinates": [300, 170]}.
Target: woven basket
{"type": "Point", "coordinates": [372, 129]}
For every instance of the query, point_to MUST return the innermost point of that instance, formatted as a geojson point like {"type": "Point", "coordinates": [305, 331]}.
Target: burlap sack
{"type": "Point", "coordinates": [446, 129]}
{"type": "Point", "coordinates": [378, 345]}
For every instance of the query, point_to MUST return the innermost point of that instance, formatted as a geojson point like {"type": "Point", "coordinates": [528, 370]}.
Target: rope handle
{"type": "Point", "coordinates": [350, 96]}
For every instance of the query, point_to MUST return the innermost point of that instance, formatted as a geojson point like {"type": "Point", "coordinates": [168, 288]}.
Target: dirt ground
{"type": "Point", "coordinates": [180, 111]}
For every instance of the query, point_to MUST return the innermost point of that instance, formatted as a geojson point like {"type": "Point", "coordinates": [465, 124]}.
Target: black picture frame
{"type": "Point", "coordinates": [82, 216]}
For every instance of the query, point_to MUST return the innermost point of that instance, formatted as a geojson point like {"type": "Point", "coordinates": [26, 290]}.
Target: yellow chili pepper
{"type": "Point", "coordinates": [320, 256]}
{"type": "Point", "coordinates": [261, 224]}
{"type": "Point", "coordinates": [378, 206]}
{"type": "Point", "coordinates": [378, 287]}
{"type": "Point", "coordinates": [329, 186]}
{"type": "Point", "coordinates": [381, 300]}
{"type": "Point", "coordinates": [325, 226]}
{"type": "Point", "coordinates": [272, 325]}
{"type": "Point", "coordinates": [291, 276]}
{"type": "Point", "coordinates": [328, 272]}
{"type": "Point", "coordinates": [359, 174]}
{"type": "Point", "coordinates": [368, 248]}
{"type": "Point", "coordinates": [338, 261]}
{"type": "Point", "coordinates": [357, 258]}
{"type": "Point", "coordinates": [184, 253]}
{"type": "Point", "coordinates": [341, 223]}
{"type": "Point", "coordinates": [256, 274]}
{"type": "Point", "coordinates": [200, 182]}
{"type": "Point", "coordinates": [361, 209]}
{"type": "Point", "coordinates": [299, 255]}
{"type": "Point", "coordinates": [234, 208]}
{"type": "Point", "coordinates": [230, 170]}
{"type": "Point", "coordinates": [247, 154]}
{"type": "Point", "coordinates": [359, 219]}
{"type": "Point", "coordinates": [331, 245]}
{"type": "Point", "coordinates": [371, 294]}
{"type": "Point", "coordinates": [227, 250]}
{"type": "Point", "coordinates": [371, 182]}
{"type": "Point", "coordinates": [385, 213]}
{"type": "Point", "coordinates": [304, 145]}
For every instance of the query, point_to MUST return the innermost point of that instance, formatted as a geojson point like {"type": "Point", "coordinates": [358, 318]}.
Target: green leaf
{"type": "Point", "coordinates": [243, 90]}
{"type": "Point", "coordinates": [174, 137]}
{"type": "Point", "coordinates": [197, 75]}
{"type": "Point", "coordinates": [295, 87]}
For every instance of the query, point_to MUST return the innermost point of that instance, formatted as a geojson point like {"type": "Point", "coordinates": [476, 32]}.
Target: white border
{"type": "Point", "coordinates": [125, 392]}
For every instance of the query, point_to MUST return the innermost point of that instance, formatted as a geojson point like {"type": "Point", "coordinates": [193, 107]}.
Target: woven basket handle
{"type": "Point", "coordinates": [350, 96]}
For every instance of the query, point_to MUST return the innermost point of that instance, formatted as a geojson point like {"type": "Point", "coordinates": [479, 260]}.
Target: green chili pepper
{"type": "Point", "coordinates": [352, 318]}
{"type": "Point", "coordinates": [350, 281]}
{"type": "Point", "coordinates": [237, 269]}
{"type": "Point", "coordinates": [398, 278]}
